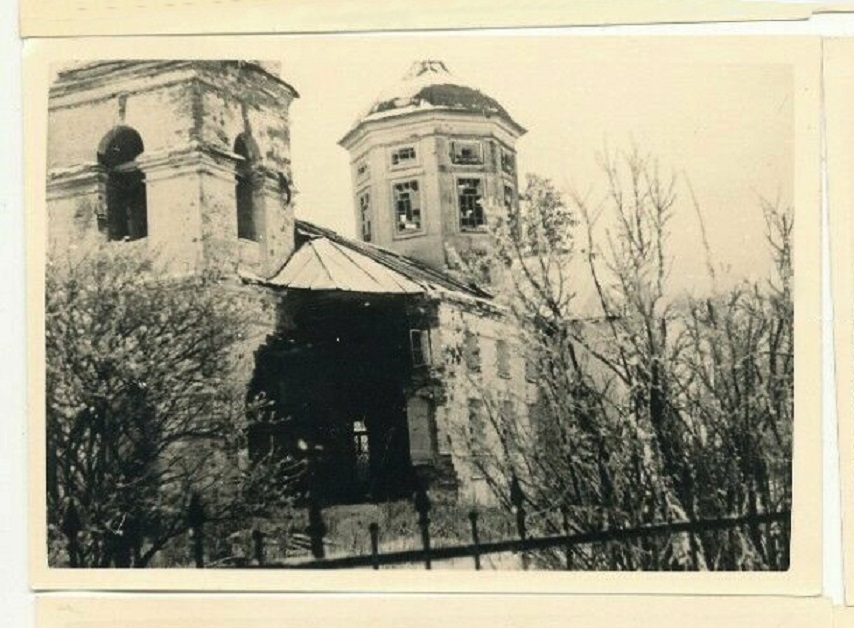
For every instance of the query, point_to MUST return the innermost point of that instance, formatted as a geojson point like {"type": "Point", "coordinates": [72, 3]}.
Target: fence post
{"type": "Point", "coordinates": [564, 512]}
{"type": "Point", "coordinates": [375, 544]}
{"type": "Point", "coordinates": [475, 539]}
{"type": "Point", "coordinates": [422, 506]}
{"type": "Point", "coordinates": [258, 546]}
{"type": "Point", "coordinates": [316, 528]}
{"type": "Point", "coordinates": [196, 521]}
{"type": "Point", "coordinates": [517, 498]}
{"type": "Point", "coordinates": [71, 526]}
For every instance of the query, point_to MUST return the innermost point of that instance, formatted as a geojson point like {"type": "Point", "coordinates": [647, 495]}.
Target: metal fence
{"type": "Point", "coordinates": [313, 541]}
{"type": "Point", "coordinates": [427, 554]}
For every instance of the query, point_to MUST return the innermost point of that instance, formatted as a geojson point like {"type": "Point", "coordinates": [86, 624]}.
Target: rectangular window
{"type": "Point", "coordinates": [365, 215]}
{"type": "Point", "coordinates": [531, 369]}
{"type": "Point", "coordinates": [508, 162]}
{"type": "Point", "coordinates": [466, 152]}
{"type": "Point", "coordinates": [470, 200]}
{"type": "Point", "coordinates": [509, 199]}
{"type": "Point", "coordinates": [363, 170]}
{"type": "Point", "coordinates": [403, 156]}
{"type": "Point", "coordinates": [471, 351]}
{"type": "Point", "coordinates": [407, 207]}
{"type": "Point", "coordinates": [477, 424]}
{"type": "Point", "coordinates": [508, 423]}
{"type": "Point", "coordinates": [502, 357]}
{"type": "Point", "coordinates": [419, 341]}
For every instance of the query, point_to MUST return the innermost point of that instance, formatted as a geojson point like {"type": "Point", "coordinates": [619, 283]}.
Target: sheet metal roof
{"type": "Point", "coordinates": [328, 261]}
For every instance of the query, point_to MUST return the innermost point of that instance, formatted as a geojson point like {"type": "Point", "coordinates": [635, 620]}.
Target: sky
{"type": "Point", "coordinates": [714, 115]}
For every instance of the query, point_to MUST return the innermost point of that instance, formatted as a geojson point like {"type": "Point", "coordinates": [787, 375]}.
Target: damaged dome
{"type": "Point", "coordinates": [430, 85]}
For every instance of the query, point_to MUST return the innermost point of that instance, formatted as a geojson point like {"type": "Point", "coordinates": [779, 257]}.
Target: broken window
{"type": "Point", "coordinates": [471, 351]}
{"type": "Point", "coordinates": [365, 215]}
{"type": "Point", "coordinates": [403, 156]}
{"type": "Point", "coordinates": [508, 162]}
{"type": "Point", "coordinates": [502, 357]}
{"type": "Point", "coordinates": [363, 170]}
{"type": "Point", "coordinates": [126, 211]}
{"type": "Point", "coordinates": [244, 188]}
{"type": "Point", "coordinates": [470, 199]}
{"type": "Point", "coordinates": [419, 341]}
{"type": "Point", "coordinates": [509, 199]}
{"type": "Point", "coordinates": [407, 206]}
{"type": "Point", "coordinates": [466, 152]}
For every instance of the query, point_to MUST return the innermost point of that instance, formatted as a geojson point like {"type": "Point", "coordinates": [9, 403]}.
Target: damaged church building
{"type": "Point", "coordinates": [374, 347]}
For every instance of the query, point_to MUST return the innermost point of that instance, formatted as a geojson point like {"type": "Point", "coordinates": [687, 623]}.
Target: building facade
{"type": "Point", "coordinates": [378, 356]}
{"type": "Point", "coordinates": [190, 159]}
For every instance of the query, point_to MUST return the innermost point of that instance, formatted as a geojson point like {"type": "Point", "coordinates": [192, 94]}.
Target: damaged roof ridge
{"type": "Point", "coordinates": [388, 256]}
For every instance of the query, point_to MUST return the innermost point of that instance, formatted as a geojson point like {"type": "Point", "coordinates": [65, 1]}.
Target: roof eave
{"type": "Point", "coordinates": [352, 136]}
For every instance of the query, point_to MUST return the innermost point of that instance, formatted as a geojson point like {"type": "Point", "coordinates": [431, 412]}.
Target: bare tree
{"type": "Point", "coordinates": [653, 407]}
{"type": "Point", "coordinates": [144, 414]}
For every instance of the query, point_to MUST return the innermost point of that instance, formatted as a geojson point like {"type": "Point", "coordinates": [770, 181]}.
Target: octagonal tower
{"type": "Point", "coordinates": [430, 159]}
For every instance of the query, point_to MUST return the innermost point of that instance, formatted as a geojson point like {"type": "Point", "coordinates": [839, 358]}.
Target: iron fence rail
{"type": "Point", "coordinates": [477, 549]}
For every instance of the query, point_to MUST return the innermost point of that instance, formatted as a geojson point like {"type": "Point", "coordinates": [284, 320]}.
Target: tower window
{"type": "Point", "coordinates": [470, 200]}
{"type": "Point", "coordinates": [403, 156]}
{"type": "Point", "coordinates": [126, 212]}
{"type": "Point", "coordinates": [508, 162]}
{"type": "Point", "coordinates": [363, 170]}
{"type": "Point", "coordinates": [466, 152]}
{"type": "Point", "coordinates": [509, 199]}
{"type": "Point", "coordinates": [245, 187]}
{"type": "Point", "coordinates": [407, 206]}
{"type": "Point", "coordinates": [365, 215]}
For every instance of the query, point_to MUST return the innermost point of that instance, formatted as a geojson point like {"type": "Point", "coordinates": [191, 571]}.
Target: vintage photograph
{"type": "Point", "coordinates": [411, 302]}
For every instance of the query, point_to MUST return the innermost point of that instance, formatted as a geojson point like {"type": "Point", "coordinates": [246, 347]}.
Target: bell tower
{"type": "Point", "coordinates": [430, 159]}
{"type": "Point", "coordinates": [190, 159]}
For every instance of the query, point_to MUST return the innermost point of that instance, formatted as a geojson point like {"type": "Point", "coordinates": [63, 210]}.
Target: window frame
{"type": "Point", "coordinates": [506, 157]}
{"type": "Point", "coordinates": [503, 368]}
{"type": "Point", "coordinates": [512, 197]}
{"type": "Point", "coordinates": [471, 351]}
{"type": "Point", "coordinates": [459, 196]}
{"type": "Point", "coordinates": [479, 161]}
{"type": "Point", "coordinates": [363, 169]}
{"type": "Point", "coordinates": [365, 214]}
{"type": "Point", "coordinates": [477, 426]}
{"type": "Point", "coordinates": [419, 230]}
{"type": "Point", "coordinates": [406, 163]}
{"type": "Point", "coordinates": [423, 347]}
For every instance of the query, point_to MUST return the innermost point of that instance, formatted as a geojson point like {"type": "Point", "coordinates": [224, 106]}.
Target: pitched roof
{"type": "Point", "coordinates": [328, 261]}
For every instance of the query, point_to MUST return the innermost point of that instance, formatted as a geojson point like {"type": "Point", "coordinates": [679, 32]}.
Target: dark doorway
{"type": "Point", "coordinates": [339, 373]}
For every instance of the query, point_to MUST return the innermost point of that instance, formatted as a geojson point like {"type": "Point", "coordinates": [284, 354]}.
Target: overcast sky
{"type": "Point", "coordinates": [713, 115]}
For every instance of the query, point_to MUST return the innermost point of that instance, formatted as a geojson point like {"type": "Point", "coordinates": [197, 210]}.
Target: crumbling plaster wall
{"type": "Point", "coordinates": [462, 383]}
{"type": "Point", "coordinates": [188, 116]}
